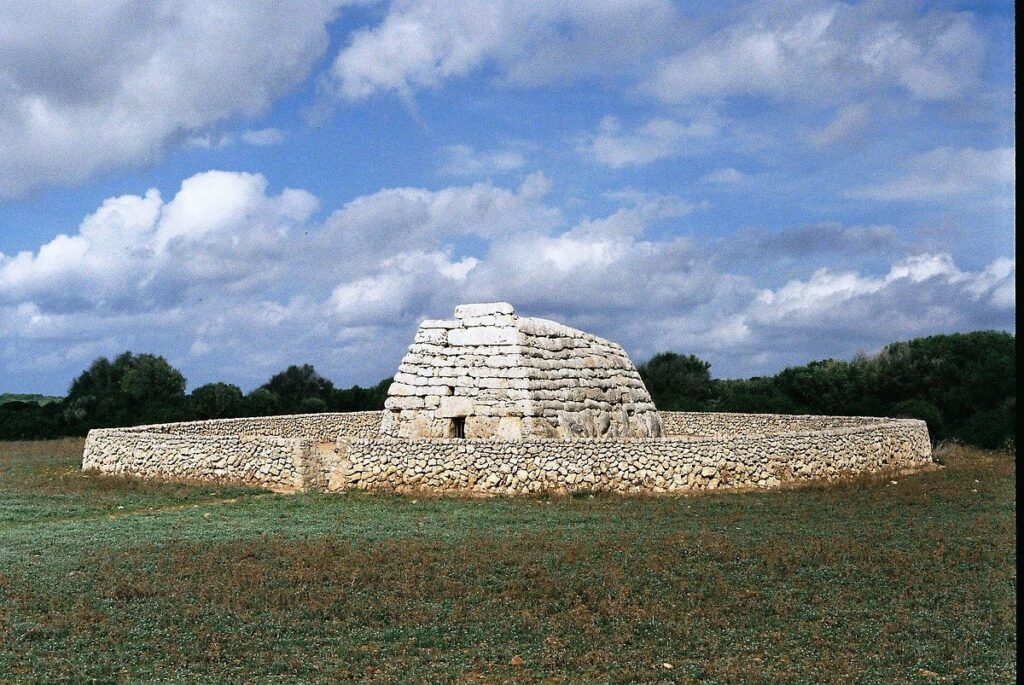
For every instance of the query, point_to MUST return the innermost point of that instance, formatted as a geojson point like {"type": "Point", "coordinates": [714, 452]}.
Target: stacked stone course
{"type": "Point", "coordinates": [515, 378]}
{"type": "Point", "coordinates": [722, 424]}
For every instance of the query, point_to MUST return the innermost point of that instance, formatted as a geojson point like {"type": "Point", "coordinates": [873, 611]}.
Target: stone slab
{"type": "Point", "coordinates": [483, 309]}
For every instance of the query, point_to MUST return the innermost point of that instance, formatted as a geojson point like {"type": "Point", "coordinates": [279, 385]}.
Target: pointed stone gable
{"type": "Point", "coordinates": [507, 377]}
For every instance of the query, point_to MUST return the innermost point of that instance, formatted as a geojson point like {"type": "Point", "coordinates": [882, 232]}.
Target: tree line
{"type": "Point", "coordinates": [963, 385]}
{"type": "Point", "coordinates": [138, 389]}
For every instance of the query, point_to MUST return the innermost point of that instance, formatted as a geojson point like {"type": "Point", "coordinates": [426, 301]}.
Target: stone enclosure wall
{"type": "Point", "coordinates": [315, 427]}
{"type": "Point", "coordinates": [281, 452]}
{"type": "Point", "coordinates": [341, 451]}
{"type": "Point", "coordinates": [634, 466]}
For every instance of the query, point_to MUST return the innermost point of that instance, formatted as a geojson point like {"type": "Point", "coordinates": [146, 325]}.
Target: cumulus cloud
{"type": "Point", "coordinates": [725, 176]}
{"type": "Point", "coordinates": [919, 295]}
{"type": "Point", "coordinates": [138, 252]}
{"type": "Point", "coordinates": [421, 43]}
{"type": "Point", "coordinates": [947, 172]}
{"type": "Point", "coordinates": [658, 138]}
{"type": "Point", "coordinates": [232, 281]}
{"type": "Point", "coordinates": [848, 122]}
{"type": "Point", "coordinates": [464, 160]}
{"type": "Point", "coordinates": [132, 78]}
{"type": "Point", "coordinates": [828, 237]}
{"type": "Point", "coordinates": [826, 51]}
{"type": "Point", "coordinates": [263, 136]}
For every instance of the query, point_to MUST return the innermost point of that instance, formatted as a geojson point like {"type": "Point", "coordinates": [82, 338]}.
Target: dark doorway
{"type": "Point", "coordinates": [459, 427]}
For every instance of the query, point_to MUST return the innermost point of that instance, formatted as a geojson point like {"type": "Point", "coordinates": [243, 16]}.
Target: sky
{"type": "Point", "coordinates": [240, 186]}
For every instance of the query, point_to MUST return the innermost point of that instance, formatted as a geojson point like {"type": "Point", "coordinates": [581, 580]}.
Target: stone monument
{"type": "Point", "coordinates": [488, 373]}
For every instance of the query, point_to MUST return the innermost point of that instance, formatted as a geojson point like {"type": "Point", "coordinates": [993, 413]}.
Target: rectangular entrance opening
{"type": "Point", "coordinates": [459, 427]}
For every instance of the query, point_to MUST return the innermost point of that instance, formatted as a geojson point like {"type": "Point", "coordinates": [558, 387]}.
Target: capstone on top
{"type": "Point", "coordinates": [488, 373]}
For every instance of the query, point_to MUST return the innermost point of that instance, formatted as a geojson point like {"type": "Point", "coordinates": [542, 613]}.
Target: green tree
{"type": "Point", "coordinates": [262, 402]}
{"type": "Point", "coordinates": [828, 386]}
{"type": "Point", "coordinates": [297, 384]}
{"type": "Point", "coordinates": [131, 390]}
{"type": "Point", "coordinates": [677, 382]}
{"type": "Point", "coordinates": [217, 401]}
{"type": "Point", "coordinates": [361, 399]}
{"type": "Point", "coordinates": [21, 420]}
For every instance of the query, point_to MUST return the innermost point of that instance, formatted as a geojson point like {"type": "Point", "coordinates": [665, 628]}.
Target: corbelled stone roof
{"type": "Point", "coordinates": [515, 377]}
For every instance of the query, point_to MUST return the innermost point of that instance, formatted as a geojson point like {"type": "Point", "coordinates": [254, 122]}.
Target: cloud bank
{"type": "Point", "coordinates": [233, 281]}
{"type": "Point", "coordinates": [132, 78]}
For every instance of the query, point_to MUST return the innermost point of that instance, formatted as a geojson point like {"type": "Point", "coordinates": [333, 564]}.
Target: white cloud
{"type": "Point", "coordinates": [233, 282]}
{"type": "Point", "coordinates": [405, 278]}
{"type": "Point", "coordinates": [826, 52]}
{"type": "Point", "coordinates": [129, 79]}
{"type": "Point", "coordinates": [659, 138]}
{"type": "Point", "coordinates": [421, 43]}
{"type": "Point", "coordinates": [920, 294]}
{"type": "Point", "coordinates": [263, 136]}
{"type": "Point", "coordinates": [725, 176]}
{"type": "Point", "coordinates": [848, 122]}
{"type": "Point", "coordinates": [463, 160]}
{"type": "Point", "coordinates": [948, 172]}
{"type": "Point", "coordinates": [138, 252]}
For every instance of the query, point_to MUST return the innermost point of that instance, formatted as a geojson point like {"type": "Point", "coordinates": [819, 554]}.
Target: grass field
{"type": "Point", "coordinates": [875, 581]}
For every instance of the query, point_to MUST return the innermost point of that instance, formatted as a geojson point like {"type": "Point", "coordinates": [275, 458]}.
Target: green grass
{"type": "Point", "coordinates": [111, 580]}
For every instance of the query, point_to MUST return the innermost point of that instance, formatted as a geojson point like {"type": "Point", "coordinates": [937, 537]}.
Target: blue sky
{"type": "Point", "coordinates": [241, 186]}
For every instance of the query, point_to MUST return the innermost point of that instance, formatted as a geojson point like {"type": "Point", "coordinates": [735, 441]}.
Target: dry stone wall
{"type": "Point", "coordinates": [341, 451]}
{"type": "Point", "coordinates": [720, 424]}
{"type": "Point", "coordinates": [316, 427]}
{"type": "Point", "coordinates": [487, 467]}
{"type": "Point", "coordinates": [281, 452]}
{"type": "Point", "coordinates": [265, 461]}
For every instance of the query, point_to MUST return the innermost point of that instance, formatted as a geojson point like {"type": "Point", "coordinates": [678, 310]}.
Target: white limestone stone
{"type": "Point", "coordinates": [483, 309]}
{"type": "Point", "coordinates": [489, 320]}
{"type": "Point", "coordinates": [435, 336]}
{"type": "Point", "coordinates": [450, 407]}
{"type": "Point", "coordinates": [503, 335]}
{"type": "Point", "coordinates": [439, 324]}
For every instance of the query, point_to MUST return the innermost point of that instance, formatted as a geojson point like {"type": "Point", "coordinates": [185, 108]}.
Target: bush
{"type": "Point", "coordinates": [924, 410]}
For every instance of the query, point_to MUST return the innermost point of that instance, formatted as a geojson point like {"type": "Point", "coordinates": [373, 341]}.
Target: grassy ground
{"type": "Point", "coordinates": [115, 580]}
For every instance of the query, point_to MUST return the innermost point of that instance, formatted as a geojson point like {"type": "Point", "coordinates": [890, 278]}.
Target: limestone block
{"type": "Point", "coordinates": [413, 379]}
{"type": "Point", "coordinates": [511, 361]}
{"type": "Point", "coordinates": [403, 389]}
{"type": "Point", "coordinates": [481, 426]}
{"type": "Point", "coordinates": [404, 402]}
{"type": "Point", "coordinates": [542, 327]}
{"type": "Point", "coordinates": [451, 407]}
{"type": "Point", "coordinates": [443, 324]}
{"type": "Point", "coordinates": [489, 320]}
{"type": "Point", "coordinates": [483, 309]}
{"type": "Point", "coordinates": [510, 428]}
{"type": "Point", "coordinates": [433, 336]}
{"type": "Point", "coordinates": [503, 335]}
